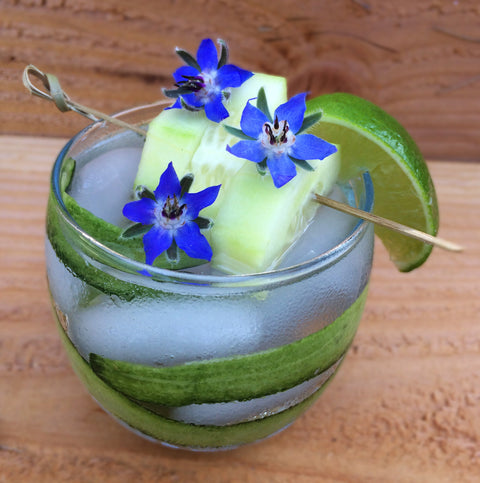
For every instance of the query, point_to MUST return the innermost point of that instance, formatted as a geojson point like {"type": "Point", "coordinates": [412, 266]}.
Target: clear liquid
{"type": "Point", "coordinates": [173, 329]}
{"type": "Point", "coordinates": [104, 185]}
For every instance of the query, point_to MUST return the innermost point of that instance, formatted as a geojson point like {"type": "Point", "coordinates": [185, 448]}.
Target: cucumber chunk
{"type": "Point", "coordinates": [275, 88]}
{"type": "Point", "coordinates": [254, 222]}
{"type": "Point", "coordinates": [257, 222]}
{"type": "Point", "coordinates": [173, 135]}
{"type": "Point", "coordinates": [211, 163]}
{"type": "Point", "coordinates": [196, 145]}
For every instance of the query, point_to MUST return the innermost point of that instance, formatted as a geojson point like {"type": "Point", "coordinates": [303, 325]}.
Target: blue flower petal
{"type": "Point", "coordinates": [193, 100]}
{"type": "Point", "coordinates": [293, 111]}
{"type": "Point", "coordinates": [169, 185]}
{"type": "Point", "coordinates": [197, 201]}
{"type": "Point", "coordinates": [140, 211]}
{"type": "Point", "coordinates": [215, 110]}
{"type": "Point", "coordinates": [144, 272]}
{"type": "Point", "coordinates": [308, 146]}
{"type": "Point", "coordinates": [185, 70]}
{"type": "Point", "coordinates": [282, 169]}
{"type": "Point", "coordinates": [251, 150]}
{"type": "Point", "coordinates": [252, 120]}
{"type": "Point", "coordinates": [209, 97]}
{"type": "Point", "coordinates": [207, 57]}
{"type": "Point", "coordinates": [232, 76]}
{"type": "Point", "coordinates": [244, 74]}
{"type": "Point", "coordinates": [192, 242]}
{"type": "Point", "coordinates": [155, 242]}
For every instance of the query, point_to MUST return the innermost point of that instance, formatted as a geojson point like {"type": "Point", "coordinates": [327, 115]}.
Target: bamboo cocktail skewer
{"type": "Point", "coordinates": [55, 93]}
{"type": "Point", "coordinates": [386, 223]}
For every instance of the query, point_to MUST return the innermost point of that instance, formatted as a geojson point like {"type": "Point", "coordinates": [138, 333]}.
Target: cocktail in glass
{"type": "Point", "coordinates": [195, 358]}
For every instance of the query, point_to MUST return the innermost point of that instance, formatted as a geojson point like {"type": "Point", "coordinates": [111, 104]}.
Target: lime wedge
{"type": "Point", "coordinates": [370, 139]}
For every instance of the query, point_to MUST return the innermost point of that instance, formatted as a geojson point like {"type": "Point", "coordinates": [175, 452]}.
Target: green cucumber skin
{"type": "Point", "coordinates": [107, 234]}
{"type": "Point", "coordinates": [77, 265]}
{"type": "Point", "coordinates": [111, 236]}
{"type": "Point", "coordinates": [173, 432]}
{"type": "Point", "coordinates": [238, 378]}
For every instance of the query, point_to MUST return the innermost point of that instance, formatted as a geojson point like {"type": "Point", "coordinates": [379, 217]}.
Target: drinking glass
{"type": "Point", "coordinates": [196, 360]}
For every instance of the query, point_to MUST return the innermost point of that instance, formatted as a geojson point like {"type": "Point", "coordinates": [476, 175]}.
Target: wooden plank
{"type": "Point", "coordinates": [418, 60]}
{"type": "Point", "coordinates": [403, 408]}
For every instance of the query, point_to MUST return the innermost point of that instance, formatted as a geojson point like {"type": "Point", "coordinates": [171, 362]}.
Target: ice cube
{"type": "Point", "coordinates": [105, 184]}
{"type": "Point", "coordinates": [219, 414]}
{"type": "Point", "coordinates": [308, 305]}
{"type": "Point", "coordinates": [66, 289]}
{"type": "Point", "coordinates": [165, 332]}
{"type": "Point", "coordinates": [328, 228]}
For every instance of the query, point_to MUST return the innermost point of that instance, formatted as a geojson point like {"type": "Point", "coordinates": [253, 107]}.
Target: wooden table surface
{"type": "Point", "coordinates": [404, 407]}
{"type": "Point", "coordinates": [420, 61]}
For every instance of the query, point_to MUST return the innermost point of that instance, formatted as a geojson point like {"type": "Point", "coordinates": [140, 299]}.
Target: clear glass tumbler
{"type": "Point", "coordinates": [199, 361]}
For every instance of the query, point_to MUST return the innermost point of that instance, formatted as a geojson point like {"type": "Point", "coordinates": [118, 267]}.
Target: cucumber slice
{"type": "Point", "coordinates": [257, 222]}
{"type": "Point", "coordinates": [79, 267]}
{"type": "Point", "coordinates": [177, 433]}
{"type": "Point", "coordinates": [173, 135]}
{"type": "Point", "coordinates": [111, 236]}
{"type": "Point", "coordinates": [237, 378]}
{"type": "Point", "coordinates": [107, 234]}
{"type": "Point", "coordinates": [174, 432]}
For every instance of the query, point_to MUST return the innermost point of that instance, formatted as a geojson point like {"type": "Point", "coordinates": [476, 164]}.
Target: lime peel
{"type": "Point", "coordinates": [370, 139]}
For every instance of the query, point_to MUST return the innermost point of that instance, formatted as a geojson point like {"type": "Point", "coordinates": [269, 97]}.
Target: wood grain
{"type": "Point", "coordinates": [403, 408]}
{"type": "Point", "coordinates": [418, 60]}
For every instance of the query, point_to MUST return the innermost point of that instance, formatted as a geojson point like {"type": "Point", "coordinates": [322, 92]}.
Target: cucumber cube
{"type": "Point", "coordinates": [257, 222]}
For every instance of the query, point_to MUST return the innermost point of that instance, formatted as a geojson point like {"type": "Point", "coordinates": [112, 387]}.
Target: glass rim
{"type": "Point", "coordinates": [114, 259]}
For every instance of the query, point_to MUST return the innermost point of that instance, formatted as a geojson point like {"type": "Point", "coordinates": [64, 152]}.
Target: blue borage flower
{"type": "Point", "coordinates": [169, 218]}
{"type": "Point", "coordinates": [206, 82]}
{"type": "Point", "coordinates": [276, 142]}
